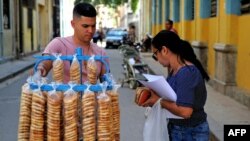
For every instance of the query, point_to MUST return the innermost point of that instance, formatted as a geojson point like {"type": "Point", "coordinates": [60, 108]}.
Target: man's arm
{"type": "Point", "coordinates": [54, 46]}
{"type": "Point", "coordinates": [103, 72]}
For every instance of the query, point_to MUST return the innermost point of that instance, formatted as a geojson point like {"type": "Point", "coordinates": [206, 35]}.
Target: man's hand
{"type": "Point", "coordinates": [42, 70]}
{"type": "Point", "coordinates": [44, 67]}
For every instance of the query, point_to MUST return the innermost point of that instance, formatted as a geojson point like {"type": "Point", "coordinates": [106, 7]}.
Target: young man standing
{"type": "Point", "coordinates": [84, 25]}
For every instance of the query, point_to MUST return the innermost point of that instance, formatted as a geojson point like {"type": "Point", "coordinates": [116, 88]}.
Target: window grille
{"type": "Point", "coordinates": [192, 9]}
{"type": "Point", "coordinates": [213, 8]}
{"type": "Point", "coordinates": [245, 7]}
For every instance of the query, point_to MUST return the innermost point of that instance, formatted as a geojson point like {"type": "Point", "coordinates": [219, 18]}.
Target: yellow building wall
{"type": "Point", "coordinates": [243, 52]}
{"type": "Point", "coordinates": [187, 30]}
{"type": "Point", "coordinates": [212, 34]}
{"type": "Point", "coordinates": [227, 26]}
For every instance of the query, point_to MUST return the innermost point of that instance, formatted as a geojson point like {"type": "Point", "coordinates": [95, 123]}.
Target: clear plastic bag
{"type": "Point", "coordinates": [92, 70]}
{"type": "Point", "coordinates": [155, 127]}
{"type": "Point", "coordinates": [70, 113]}
{"type": "Point", "coordinates": [74, 71]}
{"type": "Point", "coordinates": [89, 115]}
{"type": "Point", "coordinates": [58, 69]}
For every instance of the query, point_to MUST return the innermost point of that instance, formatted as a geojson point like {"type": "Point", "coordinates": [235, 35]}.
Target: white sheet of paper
{"type": "Point", "coordinates": [171, 115]}
{"type": "Point", "coordinates": [162, 88]}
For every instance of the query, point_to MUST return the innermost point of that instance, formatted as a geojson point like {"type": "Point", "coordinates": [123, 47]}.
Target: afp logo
{"type": "Point", "coordinates": [237, 132]}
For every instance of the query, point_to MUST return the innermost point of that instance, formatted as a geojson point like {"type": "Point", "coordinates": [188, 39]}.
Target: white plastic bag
{"type": "Point", "coordinates": [155, 127]}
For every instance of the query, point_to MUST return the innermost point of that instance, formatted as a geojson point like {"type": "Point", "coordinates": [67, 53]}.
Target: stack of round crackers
{"type": "Point", "coordinates": [88, 116]}
{"type": "Point", "coordinates": [54, 105]}
{"type": "Point", "coordinates": [75, 75]}
{"type": "Point", "coordinates": [92, 72]}
{"type": "Point", "coordinates": [70, 117]}
{"type": "Point", "coordinates": [104, 126]}
{"type": "Point", "coordinates": [25, 114]}
{"type": "Point", "coordinates": [37, 132]}
{"type": "Point", "coordinates": [114, 96]}
{"type": "Point", "coordinates": [58, 71]}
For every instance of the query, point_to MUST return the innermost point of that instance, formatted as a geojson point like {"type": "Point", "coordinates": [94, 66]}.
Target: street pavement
{"type": "Point", "coordinates": [221, 109]}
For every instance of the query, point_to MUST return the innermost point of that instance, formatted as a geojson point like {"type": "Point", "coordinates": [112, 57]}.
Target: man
{"type": "Point", "coordinates": [131, 34]}
{"type": "Point", "coordinates": [84, 25]}
{"type": "Point", "coordinates": [169, 26]}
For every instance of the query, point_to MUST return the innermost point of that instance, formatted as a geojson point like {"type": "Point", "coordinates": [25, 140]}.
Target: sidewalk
{"type": "Point", "coordinates": [220, 109]}
{"type": "Point", "coordinates": [12, 68]}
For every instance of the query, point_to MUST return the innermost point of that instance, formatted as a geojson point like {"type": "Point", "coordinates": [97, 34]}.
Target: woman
{"type": "Point", "coordinates": [187, 80]}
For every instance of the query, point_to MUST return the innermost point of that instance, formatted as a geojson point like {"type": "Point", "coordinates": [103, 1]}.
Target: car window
{"type": "Point", "coordinates": [116, 33]}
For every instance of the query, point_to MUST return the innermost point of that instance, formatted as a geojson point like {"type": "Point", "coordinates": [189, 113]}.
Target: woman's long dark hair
{"type": "Point", "coordinates": [179, 47]}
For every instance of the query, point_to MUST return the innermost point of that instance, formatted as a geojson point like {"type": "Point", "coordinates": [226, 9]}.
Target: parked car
{"type": "Point", "coordinates": [115, 37]}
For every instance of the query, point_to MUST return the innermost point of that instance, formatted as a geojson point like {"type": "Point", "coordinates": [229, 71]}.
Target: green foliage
{"type": "Point", "coordinates": [110, 3]}
{"type": "Point", "coordinates": [134, 4]}
{"type": "Point", "coordinates": [78, 1]}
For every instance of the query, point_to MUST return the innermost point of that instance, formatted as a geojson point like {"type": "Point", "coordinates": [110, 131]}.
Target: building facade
{"type": "Point", "coordinates": [218, 30]}
{"type": "Point", "coordinates": [26, 26]}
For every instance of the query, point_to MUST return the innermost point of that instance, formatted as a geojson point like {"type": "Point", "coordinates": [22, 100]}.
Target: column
{"type": "Point", "coordinates": [201, 51]}
{"type": "Point", "coordinates": [225, 68]}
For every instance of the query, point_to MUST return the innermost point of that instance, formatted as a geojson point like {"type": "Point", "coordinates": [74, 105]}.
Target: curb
{"type": "Point", "coordinates": [11, 75]}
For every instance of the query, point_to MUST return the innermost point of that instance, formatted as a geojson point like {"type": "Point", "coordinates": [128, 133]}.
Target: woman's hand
{"type": "Point", "coordinates": [151, 101]}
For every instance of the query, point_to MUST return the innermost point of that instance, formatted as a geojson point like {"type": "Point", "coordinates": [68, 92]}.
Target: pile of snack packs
{"type": "Point", "coordinates": [56, 111]}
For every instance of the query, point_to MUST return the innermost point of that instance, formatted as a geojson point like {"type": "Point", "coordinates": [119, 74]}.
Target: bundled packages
{"type": "Point", "coordinates": [70, 114]}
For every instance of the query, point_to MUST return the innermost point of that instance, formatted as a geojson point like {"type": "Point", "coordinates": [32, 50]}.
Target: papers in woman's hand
{"type": "Point", "coordinates": [160, 86]}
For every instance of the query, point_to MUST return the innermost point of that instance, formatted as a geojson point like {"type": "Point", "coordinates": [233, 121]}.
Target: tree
{"type": "Point", "coordinates": [78, 1]}
{"type": "Point", "coordinates": [111, 3]}
{"type": "Point", "coordinates": [134, 4]}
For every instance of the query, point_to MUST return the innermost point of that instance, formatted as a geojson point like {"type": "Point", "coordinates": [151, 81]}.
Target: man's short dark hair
{"type": "Point", "coordinates": [84, 9]}
{"type": "Point", "coordinates": [169, 21]}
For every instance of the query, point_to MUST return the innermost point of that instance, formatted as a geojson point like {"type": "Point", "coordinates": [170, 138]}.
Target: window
{"type": "Point", "coordinates": [189, 10]}
{"type": "Point", "coordinates": [6, 14]}
{"type": "Point", "coordinates": [213, 8]}
{"type": "Point", "coordinates": [56, 3]}
{"type": "Point", "coordinates": [30, 18]}
{"type": "Point", "coordinates": [245, 7]}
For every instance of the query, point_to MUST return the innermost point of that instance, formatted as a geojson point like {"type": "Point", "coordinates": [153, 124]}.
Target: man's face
{"type": "Point", "coordinates": [168, 26]}
{"type": "Point", "coordinates": [84, 28]}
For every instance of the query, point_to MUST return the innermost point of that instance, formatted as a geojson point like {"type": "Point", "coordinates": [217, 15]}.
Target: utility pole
{"type": "Point", "coordinates": [1, 29]}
